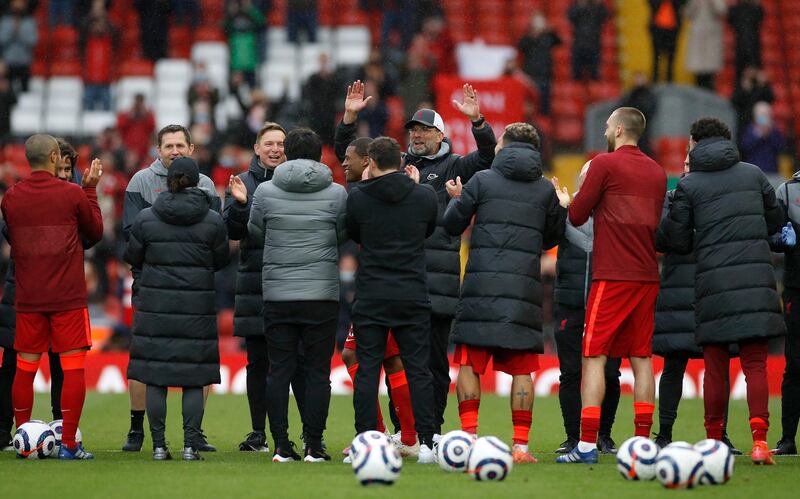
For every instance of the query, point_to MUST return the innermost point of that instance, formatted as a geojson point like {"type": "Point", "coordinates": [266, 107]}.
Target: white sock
{"type": "Point", "coordinates": [586, 446]}
{"type": "Point", "coordinates": [521, 447]}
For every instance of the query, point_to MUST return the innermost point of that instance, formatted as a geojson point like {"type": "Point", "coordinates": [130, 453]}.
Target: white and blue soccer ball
{"type": "Point", "coordinates": [57, 427]}
{"type": "Point", "coordinates": [375, 459]}
{"type": "Point", "coordinates": [34, 440]}
{"type": "Point", "coordinates": [636, 459]}
{"type": "Point", "coordinates": [453, 449]}
{"type": "Point", "coordinates": [717, 461]}
{"type": "Point", "coordinates": [681, 444]}
{"type": "Point", "coordinates": [489, 459]}
{"type": "Point", "coordinates": [679, 468]}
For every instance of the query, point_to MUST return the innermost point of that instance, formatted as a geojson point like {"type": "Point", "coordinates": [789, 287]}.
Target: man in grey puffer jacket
{"type": "Point", "coordinates": [300, 215]}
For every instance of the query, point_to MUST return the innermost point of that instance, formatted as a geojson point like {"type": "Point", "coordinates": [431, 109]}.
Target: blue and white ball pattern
{"type": "Point", "coordinates": [453, 450]}
{"type": "Point", "coordinates": [679, 468]}
{"type": "Point", "coordinates": [636, 459]}
{"type": "Point", "coordinates": [375, 460]}
{"type": "Point", "coordinates": [717, 461]}
{"type": "Point", "coordinates": [34, 440]}
{"type": "Point", "coordinates": [489, 459]}
{"type": "Point", "coordinates": [57, 427]}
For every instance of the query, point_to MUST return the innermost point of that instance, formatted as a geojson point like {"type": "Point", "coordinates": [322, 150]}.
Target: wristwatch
{"type": "Point", "coordinates": [481, 121]}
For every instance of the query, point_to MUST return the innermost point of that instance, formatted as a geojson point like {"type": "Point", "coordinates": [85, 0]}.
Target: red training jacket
{"type": "Point", "coordinates": [625, 189]}
{"type": "Point", "coordinates": [46, 220]}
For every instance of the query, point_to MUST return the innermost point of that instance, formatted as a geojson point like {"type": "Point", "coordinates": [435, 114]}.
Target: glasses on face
{"type": "Point", "coordinates": [421, 129]}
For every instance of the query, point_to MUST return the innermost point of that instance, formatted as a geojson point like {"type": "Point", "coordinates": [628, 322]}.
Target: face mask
{"type": "Point", "coordinates": [347, 276]}
{"type": "Point", "coordinates": [763, 120]}
{"type": "Point", "coordinates": [227, 162]}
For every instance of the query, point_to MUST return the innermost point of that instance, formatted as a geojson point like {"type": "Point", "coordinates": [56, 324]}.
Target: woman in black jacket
{"type": "Point", "coordinates": [178, 244]}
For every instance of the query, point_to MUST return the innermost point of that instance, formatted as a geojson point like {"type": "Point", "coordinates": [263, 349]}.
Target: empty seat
{"type": "Point", "coordinates": [351, 55]}
{"type": "Point", "coordinates": [352, 35]}
{"type": "Point", "coordinates": [62, 123]}
{"type": "Point", "coordinates": [210, 52]}
{"type": "Point", "coordinates": [94, 122]}
{"type": "Point", "coordinates": [26, 121]}
{"type": "Point", "coordinates": [128, 87]}
{"type": "Point", "coordinates": [65, 85]}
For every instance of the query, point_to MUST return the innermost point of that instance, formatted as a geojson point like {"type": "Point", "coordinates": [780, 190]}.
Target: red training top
{"type": "Point", "coordinates": [625, 189]}
{"type": "Point", "coordinates": [46, 220]}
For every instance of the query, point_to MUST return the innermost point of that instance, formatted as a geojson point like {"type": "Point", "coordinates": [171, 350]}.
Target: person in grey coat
{"type": "Point", "coordinates": [18, 37]}
{"type": "Point", "coordinates": [178, 244]}
{"type": "Point", "coordinates": [300, 216]}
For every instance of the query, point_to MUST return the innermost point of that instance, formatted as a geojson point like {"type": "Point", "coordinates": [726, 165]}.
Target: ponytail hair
{"type": "Point", "coordinates": [179, 182]}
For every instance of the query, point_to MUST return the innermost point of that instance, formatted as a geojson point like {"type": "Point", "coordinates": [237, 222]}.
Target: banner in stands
{"type": "Point", "coordinates": [501, 102]}
{"type": "Point", "coordinates": [105, 373]}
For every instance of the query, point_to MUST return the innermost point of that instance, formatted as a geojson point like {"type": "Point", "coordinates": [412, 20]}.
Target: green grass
{"type": "Point", "coordinates": [230, 473]}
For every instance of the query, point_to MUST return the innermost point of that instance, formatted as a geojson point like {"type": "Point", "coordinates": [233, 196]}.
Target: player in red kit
{"type": "Point", "coordinates": [624, 191]}
{"type": "Point", "coordinates": [47, 220]}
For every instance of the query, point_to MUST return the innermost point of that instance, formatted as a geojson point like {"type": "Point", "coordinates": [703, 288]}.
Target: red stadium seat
{"type": "Point", "coordinates": [670, 153]}
{"type": "Point", "coordinates": [66, 68]}
{"type": "Point", "coordinates": [569, 131]}
{"type": "Point", "coordinates": [63, 43]}
{"type": "Point", "coordinates": [209, 34]}
{"type": "Point", "coordinates": [136, 67]}
{"type": "Point", "coordinates": [180, 42]}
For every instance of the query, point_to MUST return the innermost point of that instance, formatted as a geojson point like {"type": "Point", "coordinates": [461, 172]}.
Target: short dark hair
{"type": "Point", "coordinates": [385, 152]}
{"type": "Point", "coordinates": [708, 127]}
{"type": "Point", "coordinates": [38, 149]}
{"type": "Point", "coordinates": [522, 132]}
{"type": "Point", "coordinates": [632, 120]}
{"type": "Point", "coordinates": [303, 143]}
{"type": "Point", "coordinates": [269, 126]}
{"type": "Point", "coordinates": [174, 129]}
{"type": "Point", "coordinates": [67, 151]}
{"type": "Point", "coordinates": [361, 145]}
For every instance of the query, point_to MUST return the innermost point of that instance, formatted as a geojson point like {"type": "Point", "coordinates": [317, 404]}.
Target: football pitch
{"type": "Point", "coordinates": [230, 473]}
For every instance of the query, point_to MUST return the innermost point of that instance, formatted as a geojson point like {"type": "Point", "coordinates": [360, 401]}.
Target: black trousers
{"type": "Point", "coordinates": [790, 387]}
{"type": "Point", "coordinates": [7, 372]}
{"type": "Point", "coordinates": [289, 324]}
{"type": "Point", "coordinates": [410, 325]}
{"type": "Point", "coordinates": [257, 371]}
{"type": "Point", "coordinates": [440, 367]}
{"type": "Point", "coordinates": [569, 343]}
{"type": "Point", "coordinates": [192, 409]}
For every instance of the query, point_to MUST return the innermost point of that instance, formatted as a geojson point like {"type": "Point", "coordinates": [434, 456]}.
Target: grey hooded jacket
{"type": "Point", "coordinates": [300, 215]}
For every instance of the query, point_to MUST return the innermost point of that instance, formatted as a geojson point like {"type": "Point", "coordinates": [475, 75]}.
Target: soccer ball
{"type": "Point", "coordinates": [453, 450]}
{"type": "Point", "coordinates": [636, 459]}
{"type": "Point", "coordinates": [489, 459]}
{"type": "Point", "coordinates": [56, 426]}
{"type": "Point", "coordinates": [34, 440]}
{"type": "Point", "coordinates": [681, 444]}
{"type": "Point", "coordinates": [717, 461]}
{"type": "Point", "coordinates": [679, 468]}
{"type": "Point", "coordinates": [375, 459]}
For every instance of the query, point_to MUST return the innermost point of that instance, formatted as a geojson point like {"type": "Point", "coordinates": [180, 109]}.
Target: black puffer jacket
{"type": "Point", "coordinates": [725, 210]}
{"type": "Point", "coordinates": [8, 316]}
{"type": "Point", "coordinates": [574, 266]}
{"type": "Point", "coordinates": [247, 311]}
{"type": "Point", "coordinates": [442, 257]}
{"type": "Point", "coordinates": [178, 243]}
{"type": "Point", "coordinates": [517, 216]}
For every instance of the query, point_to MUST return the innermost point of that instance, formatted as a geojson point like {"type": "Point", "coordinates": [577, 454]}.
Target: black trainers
{"type": "Point", "coordinates": [727, 441]}
{"type": "Point", "coordinates": [785, 447]}
{"type": "Point", "coordinates": [303, 439]}
{"type": "Point", "coordinates": [5, 441]}
{"type": "Point", "coordinates": [203, 445]}
{"type": "Point", "coordinates": [567, 446]}
{"type": "Point", "coordinates": [191, 454]}
{"type": "Point", "coordinates": [134, 441]}
{"type": "Point", "coordinates": [316, 456]}
{"type": "Point", "coordinates": [255, 441]}
{"type": "Point", "coordinates": [161, 454]}
{"type": "Point", "coordinates": [286, 454]}
{"type": "Point", "coordinates": [606, 445]}
{"type": "Point", "coordinates": [662, 440]}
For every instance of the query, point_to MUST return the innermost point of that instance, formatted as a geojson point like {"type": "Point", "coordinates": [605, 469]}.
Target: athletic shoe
{"type": "Point", "coordinates": [5, 441]}
{"type": "Point", "coordinates": [255, 441]}
{"type": "Point", "coordinates": [161, 454]}
{"type": "Point", "coordinates": [785, 447]}
{"type": "Point", "coordinates": [203, 445]}
{"type": "Point", "coordinates": [727, 441]}
{"type": "Point", "coordinates": [425, 455]}
{"type": "Point", "coordinates": [606, 445]}
{"type": "Point", "coordinates": [134, 441]}
{"type": "Point", "coordinates": [303, 439]}
{"type": "Point", "coordinates": [316, 456]}
{"type": "Point", "coordinates": [662, 440]}
{"type": "Point", "coordinates": [74, 454]}
{"type": "Point", "coordinates": [286, 455]}
{"type": "Point", "coordinates": [436, 438]}
{"type": "Point", "coordinates": [575, 456]}
{"type": "Point", "coordinates": [192, 454]}
{"type": "Point", "coordinates": [522, 456]}
{"type": "Point", "coordinates": [347, 459]}
{"type": "Point", "coordinates": [761, 453]}
{"type": "Point", "coordinates": [408, 450]}
{"type": "Point", "coordinates": [567, 446]}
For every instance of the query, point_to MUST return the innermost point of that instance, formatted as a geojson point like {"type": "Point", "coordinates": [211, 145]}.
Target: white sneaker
{"type": "Point", "coordinates": [347, 459]}
{"type": "Point", "coordinates": [426, 455]}
{"type": "Point", "coordinates": [407, 450]}
{"type": "Point", "coordinates": [436, 438]}
{"type": "Point", "coordinates": [394, 437]}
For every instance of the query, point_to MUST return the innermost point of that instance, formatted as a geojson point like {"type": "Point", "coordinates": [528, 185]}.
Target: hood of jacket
{"type": "Point", "coordinates": [390, 188]}
{"type": "Point", "coordinates": [302, 175]}
{"type": "Point", "coordinates": [158, 168]}
{"type": "Point", "coordinates": [518, 161]}
{"type": "Point", "coordinates": [259, 172]}
{"type": "Point", "coordinates": [444, 150]}
{"type": "Point", "coordinates": [583, 236]}
{"type": "Point", "coordinates": [711, 155]}
{"type": "Point", "coordinates": [186, 207]}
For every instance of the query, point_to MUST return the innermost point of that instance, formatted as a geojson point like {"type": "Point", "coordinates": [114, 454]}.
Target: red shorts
{"type": "Point", "coordinates": [619, 319]}
{"type": "Point", "coordinates": [60, 331]}
{"type": "Point", "coordinates": [392, 350]}
{"type": "Point", "coordinates": [513, 362]}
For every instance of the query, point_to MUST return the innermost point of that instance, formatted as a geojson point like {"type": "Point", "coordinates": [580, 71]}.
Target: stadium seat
{"type": "Point", "coordinates": [209, 34]}
{"type": "Point", "coordinates": [25, 121]}
{"type": "Point", "coordinates": [352, 35]}
{"type": "Point", "coordinates": [569, 131]}
{"type": "Point", "coordinates": [283, 52]}
{"type": "Point", "coordinates": [173, 70]}
{"type": "Point", "coordinates": [65, 68]}
{"type": "Point", "coordinates": [62, 123]}
{"type": "Point", "coordinates": [278, 78]}
{"type": "Point", "coordinates": [136, 67]}
{"type": "Point", "coordinates": [128, 87]}
{"type": "Point", "coordinates": [670, 153]}
{"type": "Point", "coordinates": [278, 35]}
{"type": "Point", "coordinates": [94, 122]}
{"type": "Point", "coordinates": [168, 115]}
{"type": "Point", "coordinates": [351, 55]}
{"type": "Point", "coordinates": [210, 51]}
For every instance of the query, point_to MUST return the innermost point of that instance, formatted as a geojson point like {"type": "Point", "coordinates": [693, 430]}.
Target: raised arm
{"type": "Point", "coordinates": [466, 166]}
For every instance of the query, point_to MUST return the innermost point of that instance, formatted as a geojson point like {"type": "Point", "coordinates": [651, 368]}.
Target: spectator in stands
{"type": "Point", "coordinates": [416, 76]}
{"type": "Point", "coordinates": [18, 37]}
{"type": "Point", "coordinates": [704, 52]}
{"type": "Point", "coordinates": [665, 23]}
{"type": "Point", "coordinates": [203, 99]}
{"type": "Point", "coordinates": [154, 27]}
{"type": "Point", "coordinates": [536, 48]}
{"type": "Point", "coordinates": [762, 142]}
{"type": "Point", "coordinates": [641, 97]}
{"type": "Point", "coordinates": [302, 15]}
{"type": "Point", "coordinates": [320, 94]}
{"type": "Point", "coordinates": [375, 71]}
{"type": "Point", "coordinates": [242, 23]}
{"type": "Point", "coordinates": [99, 41]}
{"type": "Point", "coordinates": [440, 45]}
{"type": "Point", "coordinates": [752, 87]}
{"type": "Point", "coordinates": [7, 100]}
{"type": "Point", "coordinates": [587, 18]}
{"type": "Point", "coordinates": [531, 96]}
{"type": "Point", "coordinates": [396, 16]}
{"type": "Point", "coordinates": [745, 18]}
{"type": "Point", "coordinates": [60, 12]}
{"type": "Point", "coordinates": [136, 127]}
{"type": "Point", "coordinates": [186, 13]}
{"type": "Point", "coordinates": [243, 132]}
{"type": "Point", "coordinates": [373, 119]}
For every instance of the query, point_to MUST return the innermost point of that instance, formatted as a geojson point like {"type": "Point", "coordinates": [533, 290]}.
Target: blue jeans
{"type": "Point", "coordinates": [307, 21]}
{"type": "Point", "coordinates": [60, 12]}
{"type": "Point", "coordinates": [97, 97]}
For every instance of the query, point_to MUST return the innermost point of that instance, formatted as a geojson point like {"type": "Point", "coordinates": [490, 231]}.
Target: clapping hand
{"type": "Point", "coordinates": [454, 187]}
{"type": "Point", "coordinates": [788, 236]}
{"type": "Point", "coordinates": [412, 172]}
{"type": "Point", "coordinates": [91, 176]}
{"type": "Point", "coordinates": [238, 189]}
{"type": "Point", "coordinates": [561, 192]}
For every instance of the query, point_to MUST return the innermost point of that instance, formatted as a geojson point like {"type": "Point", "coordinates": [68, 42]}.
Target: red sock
{"type": "Point", "coordinates": [352, 372]}
{"type": "Point", "coordinates": [468, 412]}
{"type": "Point", "coordinates": [72, 395]}
{"type": "Point", "coordinates": [522, 426]}
{"type": "Point", "coordinates": [643, 418]}
{"type": "Point", "coordinates": [401, 398]}
{"type": "Point", "coordinates": [590, 424]}
{"type": "Point", "coordinates": [759, 428]}
{"type": "Point", "coordinates": [22, 390]}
